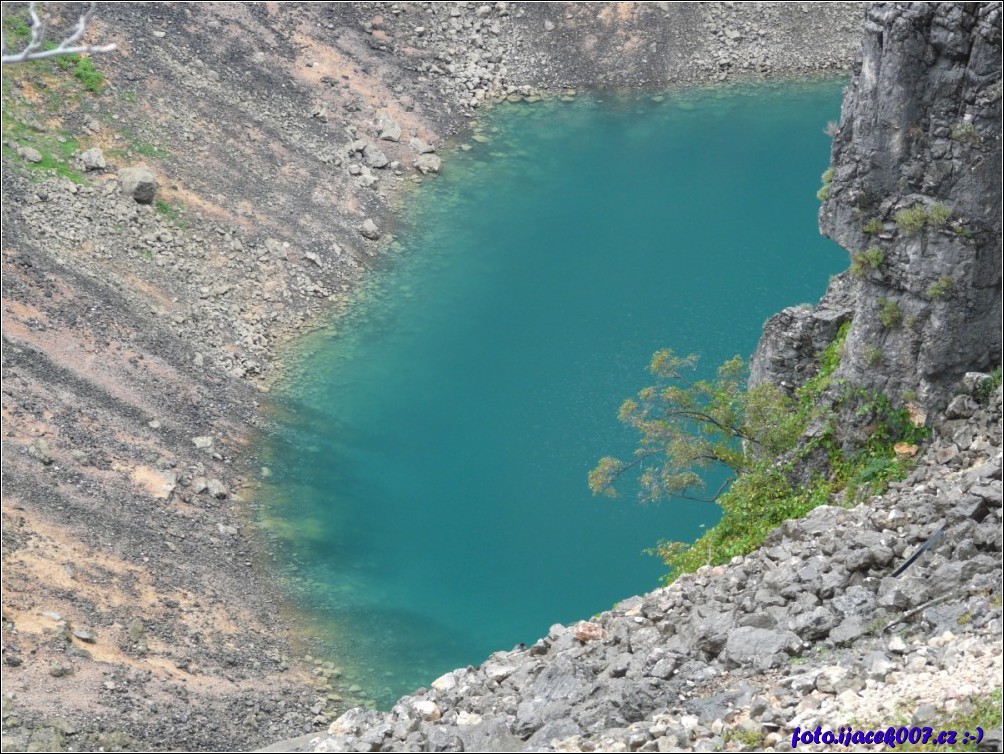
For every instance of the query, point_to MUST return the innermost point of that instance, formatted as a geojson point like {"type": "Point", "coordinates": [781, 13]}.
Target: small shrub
{"type": "Point", "coordinates": [872, 227]}
{"type": "Point", "coordinates": [918, 217]}
{"type": "Point", "coordinates": [912, 220]}
{"type": "Point", "coordinates": [988, 386]}
{"type": "Point", "coordinates": [824, 191]}
{"type": "Point", "coordinates": [873, 356]}
{"type": "Point", "coordinates": [869, 259]}
{"type": "Point", "coordinates": [832, 127]}
{"type": "Point", "coordinates": [938, 215]}
{"type": "Point", "coordinates": [965, 131]}
{"type": "Point", "coordinates": [940, 288]}
{"type": "Point", "coordinates": [749, 740]}
{"type": "Point", "coordinates": [889, 313]}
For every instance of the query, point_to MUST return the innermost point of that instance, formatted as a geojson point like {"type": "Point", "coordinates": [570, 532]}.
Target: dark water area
{"type": "Point", "coordinates": [428, 502]}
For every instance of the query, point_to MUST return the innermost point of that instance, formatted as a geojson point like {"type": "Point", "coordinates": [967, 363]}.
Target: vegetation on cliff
{"type": "Point", "coordinates": [768, 442]}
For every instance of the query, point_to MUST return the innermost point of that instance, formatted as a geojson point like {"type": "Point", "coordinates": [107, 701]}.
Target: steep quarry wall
{"type": "Point", "coordinates": [913, 194]}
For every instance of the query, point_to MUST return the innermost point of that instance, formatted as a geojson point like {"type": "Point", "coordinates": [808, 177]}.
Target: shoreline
{"type": "Point", "coordinates": [182, 339]}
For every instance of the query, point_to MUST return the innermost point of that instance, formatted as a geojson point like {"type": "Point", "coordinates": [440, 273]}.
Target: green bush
{"type": "Point", "coordinates": [918, 217]}
{"type": "Point", "coordinates": [824, 191]}
{"type": "Point", "coordinates": [762, 496]}
{"type": "Point", "coordinates": [988, 386]}
{"type": "Point", "coordinates": [869, 259]}
{"type": "Point", "coordinates": [940, 288]}
{"type": "Point", "coordinates": [872, 227]}
{"type": "Point", "coordinates": [889, 313]}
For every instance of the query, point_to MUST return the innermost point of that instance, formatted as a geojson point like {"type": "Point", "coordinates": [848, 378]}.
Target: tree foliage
{"type": "Point", "coordinates": [686, 427]}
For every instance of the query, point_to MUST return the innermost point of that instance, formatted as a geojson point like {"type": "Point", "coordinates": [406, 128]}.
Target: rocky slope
{"type": "Point", "coordinates": [812, 629]}
{"type": "Point", "coordinates": [137, 611]}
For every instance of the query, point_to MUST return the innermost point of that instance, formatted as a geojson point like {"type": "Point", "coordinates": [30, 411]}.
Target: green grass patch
{"type": "Point", "coordinates": [59, 167]}
{"type": "Point", "coordinates": [170, 211]}
{"type": "Point", "coordinates": [17, 29]}
{"type": "Point", "coordinates": [51, 88]}
{"type": "Point", "coordinates": [139, 146]}
{"type": "Point", "coordinates": [148, 149]}
{"type": "Point", "coordinates": [56, 147]}
{"type": "Point", "coordinates": [983, 711]}
{"type": "Point", "coordinates": [85, 72]}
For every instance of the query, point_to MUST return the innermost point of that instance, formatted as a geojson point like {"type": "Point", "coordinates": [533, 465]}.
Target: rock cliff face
{"type": "Point", "coordinates": [913, 194]}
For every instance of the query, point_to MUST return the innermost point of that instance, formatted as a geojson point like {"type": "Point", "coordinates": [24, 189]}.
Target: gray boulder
{"type": "Point", "coordinates": [369, 230]}
{"type": "Point", "coordinates": [93, 159]}
{"type": "Point", "coordinates": [390, 131]}
{"type": "Point", "coordinates": [374, 157]}
{"type": "Point", "coordinates": [428, 163]}
{"type": "Point", "coordinates": [139, 183]}
{"type": "Point", "coordinates": [760, 647]}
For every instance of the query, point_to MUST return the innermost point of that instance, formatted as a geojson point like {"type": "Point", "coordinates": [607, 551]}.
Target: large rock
{"type": "Point", "coordinates": [390, 131]}
{"type": "Point", "coordinates": [138, 182]}
{"type": "Point", "coordinates": [428, 163]}
{"type": "Point", "coordinates": [374, 157]}
{"type": "Point", "coordinates": [93, 159]}
{"type": "Point", "coordinates": [792, 339]}
{"type": "Point", "coordinates": [369, 230]}
{"type": "Point", "coordinates": [760, 647]}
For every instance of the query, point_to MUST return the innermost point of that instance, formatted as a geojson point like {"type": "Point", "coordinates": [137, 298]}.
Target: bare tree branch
{"type": "Point", "coordinates": [69, 46]}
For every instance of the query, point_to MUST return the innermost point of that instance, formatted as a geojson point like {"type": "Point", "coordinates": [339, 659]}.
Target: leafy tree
{"type": "Point", "coordinates": [686, 427]}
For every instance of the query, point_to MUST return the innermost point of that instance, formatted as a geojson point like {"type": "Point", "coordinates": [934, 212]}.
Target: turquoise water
{"type": "Point", "coordinates": [429, 500]}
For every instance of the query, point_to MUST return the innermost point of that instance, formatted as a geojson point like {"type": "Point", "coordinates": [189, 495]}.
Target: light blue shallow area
{"type": "Point", "coordinates": [429, 499]}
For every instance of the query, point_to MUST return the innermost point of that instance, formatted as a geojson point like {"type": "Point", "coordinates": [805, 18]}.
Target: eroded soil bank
{"type": "Point", "coordinates": [138, 610]}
